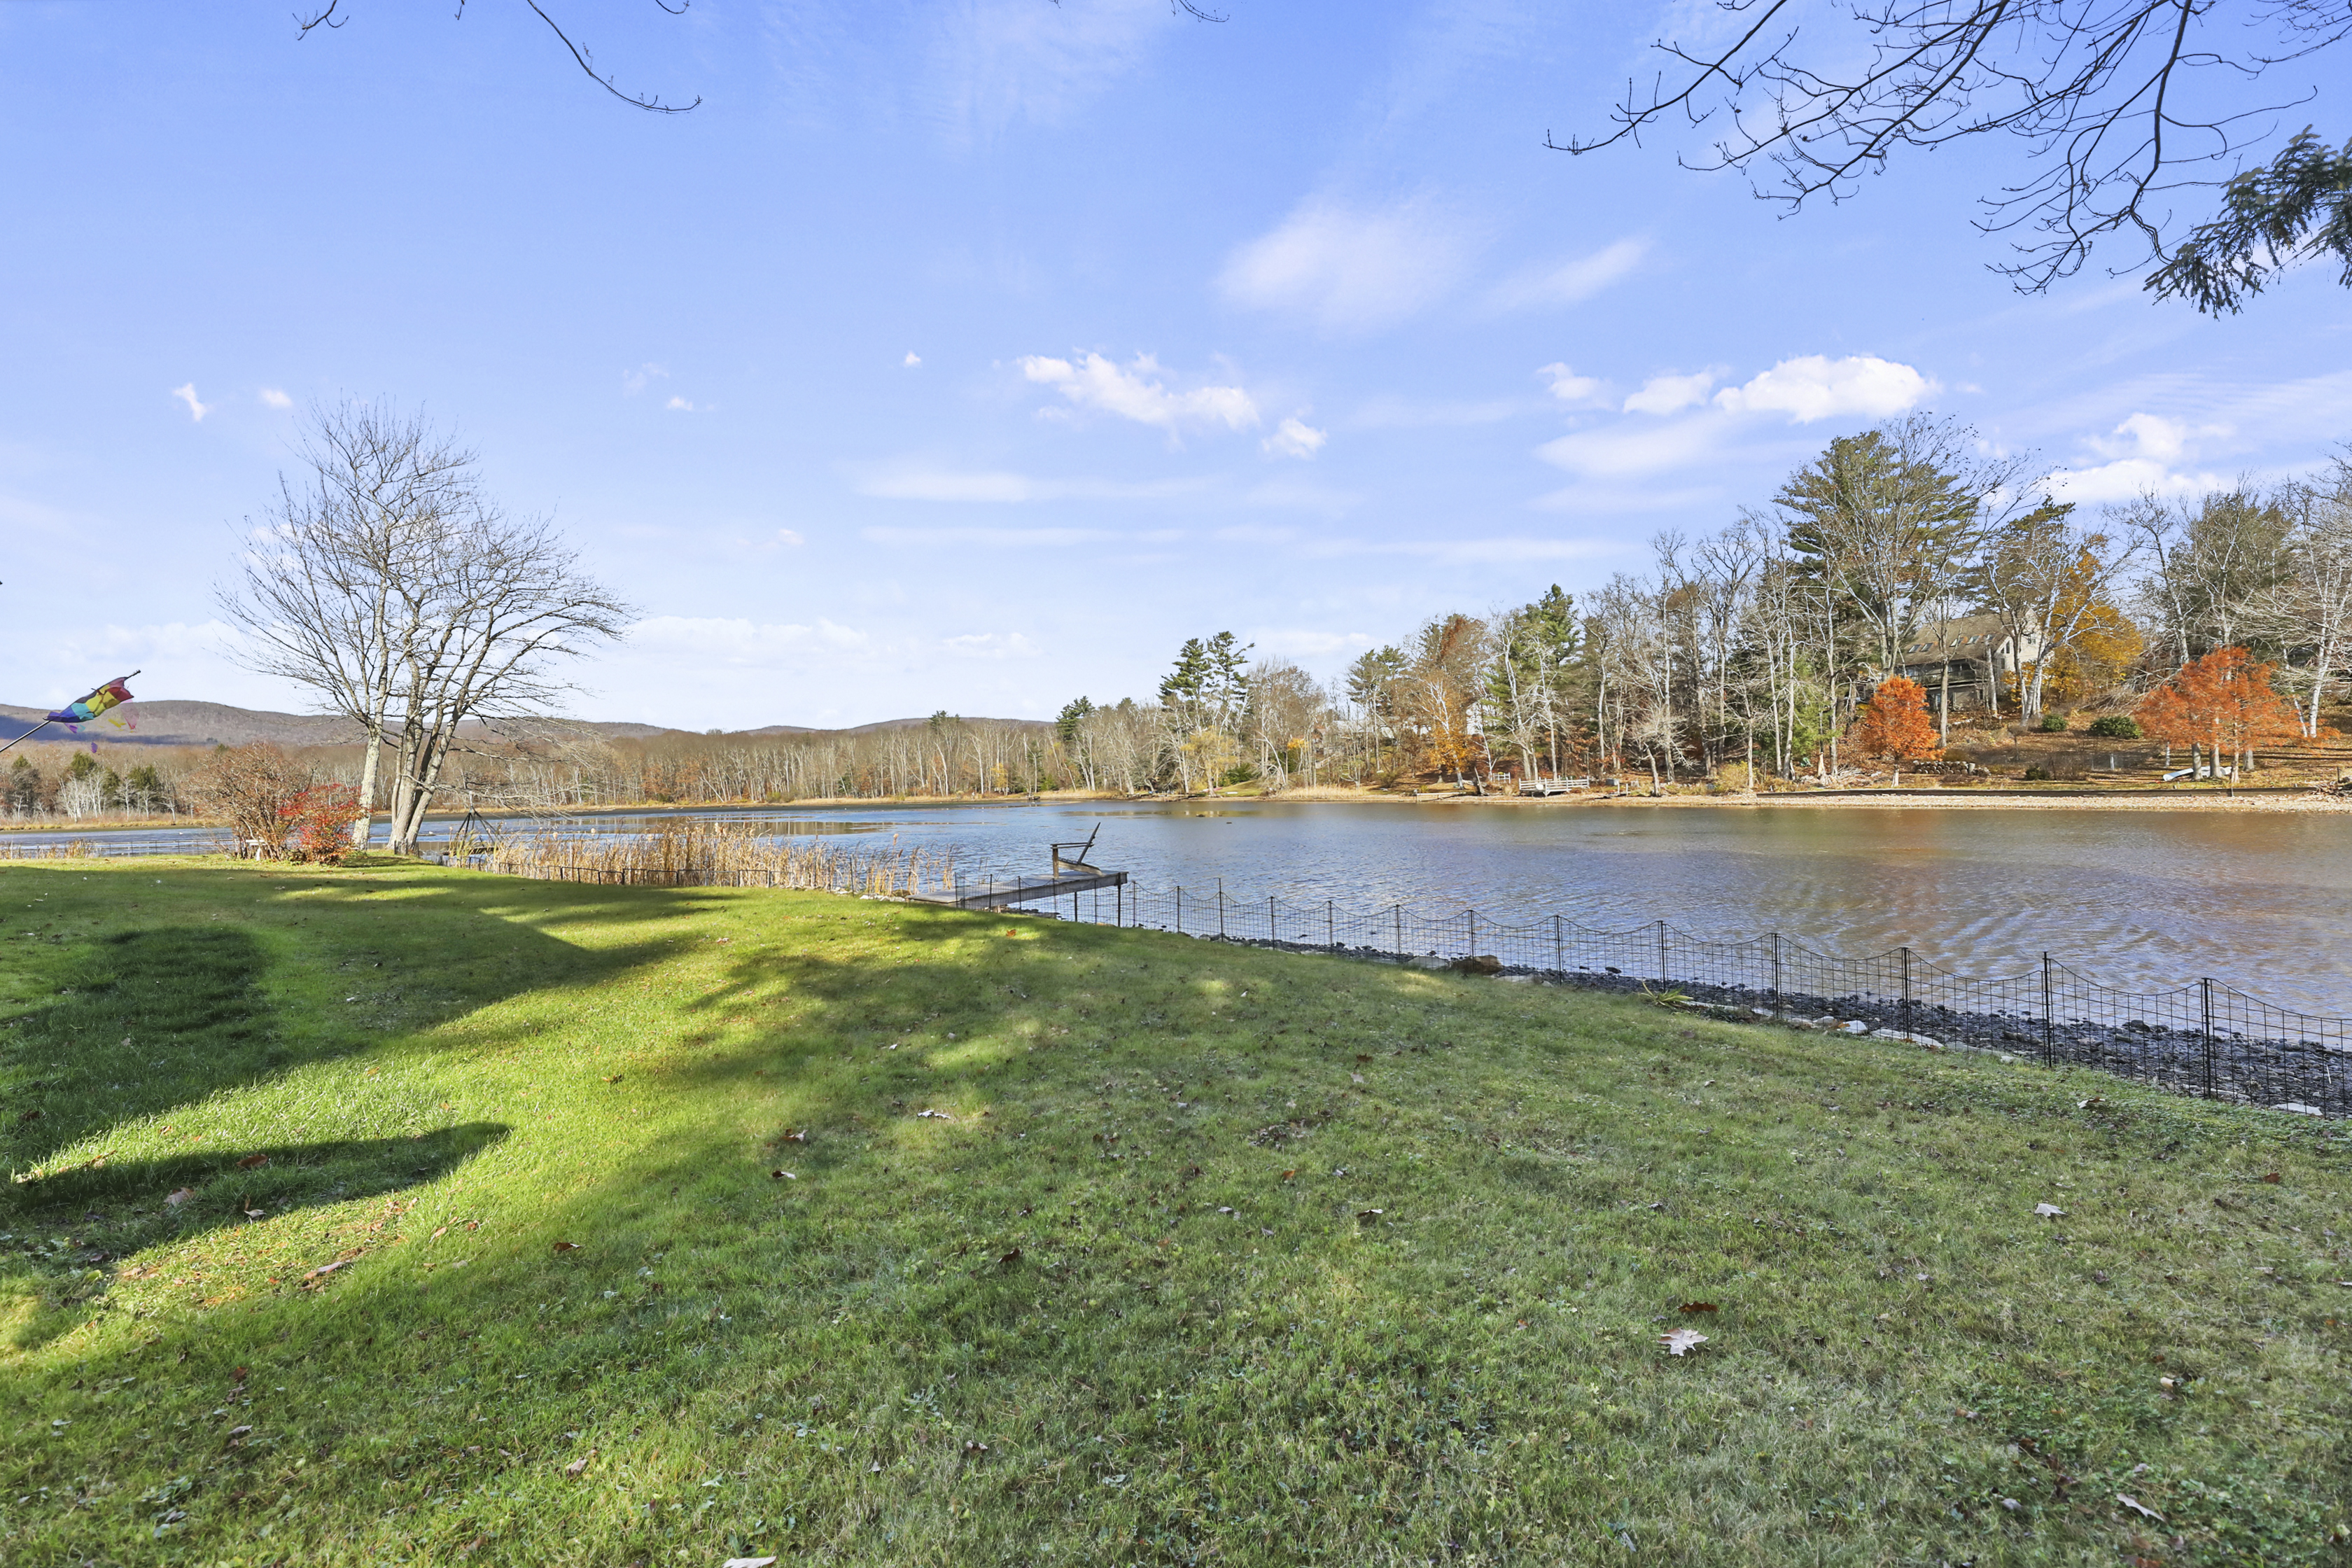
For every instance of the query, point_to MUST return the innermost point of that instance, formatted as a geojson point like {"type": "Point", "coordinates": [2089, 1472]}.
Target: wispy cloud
{"type": "Point", "coordinates": [1352, 269]}
{"type": "Point", "coordinates": [993, 538]}
{"type": "Point", "coordinates": [1090, 381]}
{"type": "Point", "coordinates": [187, 395]}
{"type": "Point", "coordinates": [1389, 413]}
{"type": "Point", "coordinates": [271, 398]}
{"type": "Point", "coordinates": [1672, 394]}
{"type": "Point", "coordinates": [635, 381]}
{"type": "Point", "coordinates": [1575, 391]}
{"type": "Point", "coordinates": [679, 404]}
{"type": "Point", "coordinates": [912, 359]}
{"type": "Point", "coordinates": [1570, 282]}
{"type": "Point", "coordinates": [914, 482]}
{"type": "Point", "coordinates": [1294, 438]}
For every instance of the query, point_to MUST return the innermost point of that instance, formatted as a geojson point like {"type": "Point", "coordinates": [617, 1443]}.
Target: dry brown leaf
{"type": "Point", "coordinates": [614, 1079]}
{"type": "Point", "coordinates": [580, 1464]}
{"type": "Point", "coordinates": [2274, 1178]}
{"type": "Point", "coordinates": [250, 1161]}
{"type": "Point", "coordinates": [783, 1176]}
{"type": "Point", "coordinates": [181, 1196]}
{"type": "Point", "coordinates": [1369, 1214]}
{"type": "Point", "coordinates": [1697, 1307]}
{"type": "Point", "coordinates": [567, 1247]}
{"type": "Point", "coordinates": [1682, 1341]}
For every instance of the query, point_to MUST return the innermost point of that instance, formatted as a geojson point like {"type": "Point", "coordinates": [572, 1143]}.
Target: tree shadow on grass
{"type": "Point", "coordinates": [64, 1231]}
{"type": "Point", "coordinates": [143, 1022]}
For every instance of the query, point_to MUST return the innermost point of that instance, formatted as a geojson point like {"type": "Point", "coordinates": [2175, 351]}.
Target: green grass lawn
{"type": "Point", "coordinates": [400, 1214]}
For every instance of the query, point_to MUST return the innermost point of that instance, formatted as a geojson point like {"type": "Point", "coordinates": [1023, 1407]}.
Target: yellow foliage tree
{"type": "Point", "coordinates": [2096, 642]}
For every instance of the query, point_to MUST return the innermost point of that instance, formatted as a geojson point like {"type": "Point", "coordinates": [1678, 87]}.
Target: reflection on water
{"type": "Point", "coordinates": [2136, 898]}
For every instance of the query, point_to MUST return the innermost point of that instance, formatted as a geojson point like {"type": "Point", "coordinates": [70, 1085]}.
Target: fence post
{"type": "Point", "coordinates": [1399, 912]}
{"type": "Point", "coordinates": [1558, 956]}
{"type": "Point", "coordinates": [1179, 909]}
{"type": "Point", "coordinates": [1907, 989]}
{"type": "Point", "coordinates": [1776, 976]}
{"type": "Point", "coordinates": [1221, 909]}
{"type": "Point", "coordinates": [1272, 926]}
{"type": "Point", "coordinates": [1662, 954]}
{"type": "Point", "coordinates": [1474, 930]}
{"type": "Point", "coordinates": [2049, 1029]}
{"type": "Point", "coordinates": [1331, 926]}
{"type": "Point", "coordinates": [2205, 1005]}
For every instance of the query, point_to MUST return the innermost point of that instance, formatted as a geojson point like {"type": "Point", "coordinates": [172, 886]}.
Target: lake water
{"type": "Point", "coordinates": [2139, 899]}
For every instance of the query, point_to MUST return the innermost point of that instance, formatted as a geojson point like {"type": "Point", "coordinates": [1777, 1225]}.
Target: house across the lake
{"type": "Point", "coordinates": [1976, 651]}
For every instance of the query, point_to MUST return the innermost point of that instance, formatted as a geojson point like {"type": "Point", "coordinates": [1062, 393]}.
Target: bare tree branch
{"type": "Point", "coordinates": [2099, 90]}
{"type": "Point", "coordinates": [580, 56]}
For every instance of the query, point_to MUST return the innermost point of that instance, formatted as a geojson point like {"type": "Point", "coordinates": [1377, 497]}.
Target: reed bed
{"type": "Point", "coordinates": [686, 852]}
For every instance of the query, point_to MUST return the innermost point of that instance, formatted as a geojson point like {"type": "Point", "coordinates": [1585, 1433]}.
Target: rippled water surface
{"type": "Point", "coordinates": [2263, 901]}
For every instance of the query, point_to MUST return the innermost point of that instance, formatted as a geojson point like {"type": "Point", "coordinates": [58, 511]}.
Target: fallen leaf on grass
{"type": "Point", "coordinates": [580, 1464]}
{"type": "Point", "coordinates": [794, 1135]}
{"type": "Point", "coordinates": [1011, 1259]}
{"type": "Point", "coordinates": [440, 1234]}
{"type": "Point", "coordinates": [1697, 1307]}
{"type": "Point", "coordinates": [2274, 1178]}
{"type": "Point", "coordinates": [614, 1079]}
{"type": "Point", "coordinates": [250, 1161]}
{"type": "Point", "coordinates": [782, 1176]}
{"type": "Point", "coordinates": [761, 1562]}
{"type": "Point", "coordinates": [567, 1247]}
{"type": "Point", "coordinates": [1356, 1077]}
{"type": "Point", "coordinates": [2139, 1508]}
{"type": "Point", "coordinates": [1369, 1214]}
{"type": "Point", "coordinates": [942, 1115]}
{"type": "Point", "coordinates": [254, 1213]}
{"type": "Point", "coordinates": [2049, 1211]}
{"type": "Point", "coordinates": [1682, 1341]}
{"type": "Point", "coordinates": [181, 1196]}
{"type": "Point", "coordinates": [324, 1269]}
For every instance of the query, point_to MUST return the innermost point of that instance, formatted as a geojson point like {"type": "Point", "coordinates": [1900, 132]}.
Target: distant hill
{"type": "Point", "coordinates": [169, 722]}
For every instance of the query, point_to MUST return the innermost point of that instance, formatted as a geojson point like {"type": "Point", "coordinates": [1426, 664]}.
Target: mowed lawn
{"type": "Point", "coordinates": [400, 1214]}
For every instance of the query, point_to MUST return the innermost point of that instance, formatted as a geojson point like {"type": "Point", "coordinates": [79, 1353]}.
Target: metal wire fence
{"type": "Point", "coordinates": [2206, 1038]}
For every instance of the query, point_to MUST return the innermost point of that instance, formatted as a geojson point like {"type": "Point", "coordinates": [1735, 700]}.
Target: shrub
{"type": "Point", "coordinates": [2116, 727]}
{"type": "Point", "coordinates": [2037, 771]}
{"type": "Point", "coordinates": [2052, 724]}
{"type": "Point", "coordinates": [318, 821]}
{"type": "Point", "coordinates": [252, 787]}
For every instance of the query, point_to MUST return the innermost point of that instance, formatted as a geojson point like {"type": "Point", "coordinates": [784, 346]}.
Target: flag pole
{"type": "Point", "coordinates": [53, 718]}
{"type": "Point", "coordinates": [35, 730]}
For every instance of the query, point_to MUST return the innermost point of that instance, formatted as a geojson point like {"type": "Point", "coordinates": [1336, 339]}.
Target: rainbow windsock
{"type": "Point", "coordinates": [113, 694]}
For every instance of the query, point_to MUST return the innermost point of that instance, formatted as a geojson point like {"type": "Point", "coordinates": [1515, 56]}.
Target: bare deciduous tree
{"type": "Point", "coordinates": [403, 599]}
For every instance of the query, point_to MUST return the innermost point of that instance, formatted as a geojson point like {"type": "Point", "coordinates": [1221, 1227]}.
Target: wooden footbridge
{"type": "Point", "coordinates": [1070, 875]}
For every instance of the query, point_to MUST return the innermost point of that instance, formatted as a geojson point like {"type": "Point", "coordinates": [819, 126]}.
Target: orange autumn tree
{"type": "Point", "coordinates": [2223, 701]}
{"type": "Point", "coordinates": [1896, 723]}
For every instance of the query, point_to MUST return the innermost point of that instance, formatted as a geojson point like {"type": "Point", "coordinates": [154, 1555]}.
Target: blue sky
{"type": "Point", "coordinates": [971, 356]}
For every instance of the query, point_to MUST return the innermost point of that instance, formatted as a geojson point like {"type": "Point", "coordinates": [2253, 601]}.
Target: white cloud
{"type": "Point", "coordinates": [1624, 453]}
{"type": "Point", "coordinates": [1571, 282]}
{"type": "Point", "coordinates": [1351, 269]}
{"type": "Point", "coordinates": [1576, 391]}
{"type": "Point", "coordinates": [1815, 386]}
{"type": "Point", "coordinates": [187, 395]}
{"type": "Point", "coordinates": [918, 483]}
{"type": "Point", "coordinates": [996, 538]}
{"type": "Point", "coordinates": [2142, 451]}
{"type": "Point", "coordinates": [680, 403]}
{"type": "Point", "coordinates": [990, 645]}
{"type": "Point", "coordinates": [995, 61]}
{"type": "Point", "coordinates": [633, 382]}
{"type": "Point", "coordinates": [912, 359]}
{"type": "Point", "coordinates": [272, 397]}
{"type": "Point", "coordinates": [1299, 643]}
{"type": "Point", "coordinates": [1093, 382]}
{"type": "Point", "coordinates": [1671, 394]}
{"type": "Point", "coordinates": [790, 537]}
{"type": "Point", "coordinates": [1294, 438]}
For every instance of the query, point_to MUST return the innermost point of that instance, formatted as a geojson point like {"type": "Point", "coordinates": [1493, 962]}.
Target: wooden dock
{"type": "Point", "coordinates": [1001, 893]}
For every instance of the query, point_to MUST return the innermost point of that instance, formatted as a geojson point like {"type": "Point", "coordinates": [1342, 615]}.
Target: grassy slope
{"type": "Point", "coordinates": [1124, 1303]}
